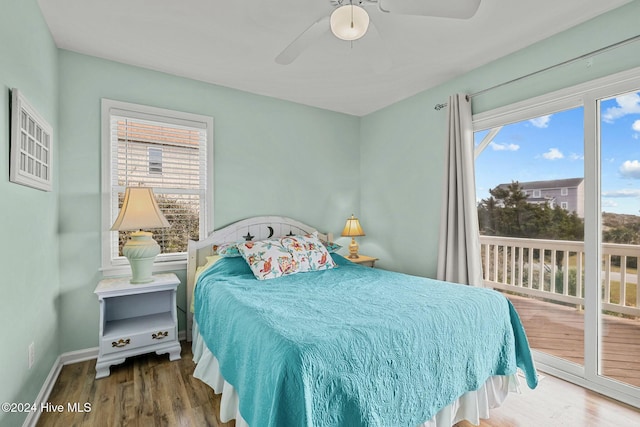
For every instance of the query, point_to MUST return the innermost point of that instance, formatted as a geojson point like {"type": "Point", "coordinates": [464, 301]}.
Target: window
{"type": "Point", "coordinates": [170, 151]}
{"type": "Point", "coordinates": [564, 191]}
{"type": "Point", "coordinates": [564, 205]}
{"type": "Point", "coordinates": [536, 193]}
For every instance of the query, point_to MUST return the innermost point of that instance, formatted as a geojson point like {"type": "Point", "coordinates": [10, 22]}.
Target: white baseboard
{"type": "Point", "coordinates": [50, 381]}
{"type": "Point", "coordinates": [62, 360]}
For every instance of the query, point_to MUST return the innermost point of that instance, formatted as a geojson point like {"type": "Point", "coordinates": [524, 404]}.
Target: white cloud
{"type": "Point", "coordinates": [576, 156]}
{"type": "Point", "coordinates": [627, 104]}
{"type": "Point", "coordinates": [621, 193]}
{"type": "Point", "coordinates": [630, 169]}
{"type": "Point", "coordinates": [609, 204]}
{"type": "Point", "coordinates": [553, 154]}
{"type": "Point", "coordinates": [636, 126]}
{"type": "Point", "coordinates": [541, 122]}
{"type": "Point", "coordinates": [504, 147]}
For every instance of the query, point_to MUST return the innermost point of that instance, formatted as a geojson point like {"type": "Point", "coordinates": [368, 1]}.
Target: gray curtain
{"type": "Point", "coordinates": [459, 258]}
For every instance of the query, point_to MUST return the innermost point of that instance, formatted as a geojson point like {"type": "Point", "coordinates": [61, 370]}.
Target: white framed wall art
{"type": "Point", "coordinates": [31, 157]}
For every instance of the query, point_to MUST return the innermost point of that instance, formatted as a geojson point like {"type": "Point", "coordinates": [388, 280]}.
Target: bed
{"type": "Point", "coordinates": [346, 346]}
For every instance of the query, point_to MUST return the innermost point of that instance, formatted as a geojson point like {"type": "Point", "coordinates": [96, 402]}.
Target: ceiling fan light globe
{"type": "Point", "coordinates": [349, 22]}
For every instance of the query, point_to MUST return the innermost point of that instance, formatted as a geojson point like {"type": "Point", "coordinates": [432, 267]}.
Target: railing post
{"type": "Point", "coordinates": [579, 256]}
{"type": "Point", "coordinates": [504, 263]}
{"type": "Point", "coordinates": [607, 278]}
{"type": "Point", "coordinates": [520, 265]}
{"type": "Point", "coordinates": [565, 275]}
{"type": "Point", "coordinates": [530, 284]}
{"type": "Point", "coordinates": [623, 280]}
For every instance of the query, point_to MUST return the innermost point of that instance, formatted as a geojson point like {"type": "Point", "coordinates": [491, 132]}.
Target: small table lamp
{"type": "Point", "coordinates": [353, 229]}
{"type": "Point", "coordinates": [140, 210]}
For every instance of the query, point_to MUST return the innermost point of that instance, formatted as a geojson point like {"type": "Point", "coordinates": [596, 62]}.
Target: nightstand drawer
{"type": "Point", "coordinates": [115, 344]}
{"type": "Point", "coordinates": [135, 332]}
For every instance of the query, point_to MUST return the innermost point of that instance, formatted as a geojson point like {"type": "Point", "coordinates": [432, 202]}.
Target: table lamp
{"type": "Point", "coordinates": [353, 229]}
{"type": "Point", "coordinates": [140, 210]}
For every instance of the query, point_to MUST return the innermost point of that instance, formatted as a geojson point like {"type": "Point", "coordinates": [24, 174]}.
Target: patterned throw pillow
{"type": "Point", "coordinates": [268, 259]}
{"type": "Point", "coordinates": [227, 250]}
{"type": "Point", "coordinates": [309, 252]}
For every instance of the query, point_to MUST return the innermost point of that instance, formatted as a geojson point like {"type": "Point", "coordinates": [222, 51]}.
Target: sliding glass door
{"type": "Point", "coordinates": [530, 187]}
{"type": "Point", "coordinates": [558, 190]}
{"type": "Point", "coordinates": [618, 322]}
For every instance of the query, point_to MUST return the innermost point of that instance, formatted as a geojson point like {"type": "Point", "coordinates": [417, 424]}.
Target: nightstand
{"type": "Point", "coordinates": [364, 260]}
{"type": "Point", "coordinates": [136, 319]}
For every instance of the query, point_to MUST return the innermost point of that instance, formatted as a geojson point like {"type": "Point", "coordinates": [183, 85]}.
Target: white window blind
{"type": "Point", "coordinates": [169, 154]}
{"type": "Point", "coordinates": [155, 160]}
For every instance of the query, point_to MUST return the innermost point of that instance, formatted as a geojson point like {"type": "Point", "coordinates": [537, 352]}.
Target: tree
{"type": "Point", "coordinates": [508, 213]}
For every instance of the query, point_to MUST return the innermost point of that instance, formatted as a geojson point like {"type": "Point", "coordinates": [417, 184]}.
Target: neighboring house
{"type": "Point", "coordinates": [566, 193]}
{"type": "Point", "coordinates": [157, 156]}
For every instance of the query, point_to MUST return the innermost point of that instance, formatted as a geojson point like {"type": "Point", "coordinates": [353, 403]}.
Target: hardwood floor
{"type": "Point", "coordinates": [557, 403]}
{"type": "Point", "coordinates": [144, 391]}
{"type": "Point", "coordinates": [151, 391]}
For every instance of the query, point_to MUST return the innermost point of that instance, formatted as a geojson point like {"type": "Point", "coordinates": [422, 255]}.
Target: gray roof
{"type": "Point", "coordinates": [553, 183]}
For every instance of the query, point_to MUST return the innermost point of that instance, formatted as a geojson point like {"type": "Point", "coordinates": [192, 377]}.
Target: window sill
{"type": "Point", "coordinates": [125, 269]}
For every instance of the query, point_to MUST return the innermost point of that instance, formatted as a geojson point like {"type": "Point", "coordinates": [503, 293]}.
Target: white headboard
{"type": "Point", "coordinates": [256, 228]}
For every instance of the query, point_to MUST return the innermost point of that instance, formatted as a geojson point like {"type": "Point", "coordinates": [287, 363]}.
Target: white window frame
{"type": "Point", "coordinates": [564, 191]}
{"type": "Point", "coordinates": [537, 193]}
{"type": "Point", "coordinates": [170, 262]}
{"type": "Point", "coordinates": [581, 95]}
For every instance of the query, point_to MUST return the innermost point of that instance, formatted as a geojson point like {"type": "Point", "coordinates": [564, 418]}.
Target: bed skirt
{"type": "Point", "coordinates": [471, 406]}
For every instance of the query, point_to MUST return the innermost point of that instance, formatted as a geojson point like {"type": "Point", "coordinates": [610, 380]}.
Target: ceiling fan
{"type": "Point", "coordinates": [350, 21]}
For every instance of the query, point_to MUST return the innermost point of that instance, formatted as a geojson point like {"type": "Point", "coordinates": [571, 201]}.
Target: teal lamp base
{"type": "Point", "coordinates": [141, 250]}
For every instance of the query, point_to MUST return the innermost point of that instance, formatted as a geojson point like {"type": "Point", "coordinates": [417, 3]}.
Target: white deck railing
{"type": "Point", "coordinates": [549, 269]}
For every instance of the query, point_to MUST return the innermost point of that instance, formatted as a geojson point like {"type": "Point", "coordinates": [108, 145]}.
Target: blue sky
{"type": "Point", "coordinates": [552, 147]}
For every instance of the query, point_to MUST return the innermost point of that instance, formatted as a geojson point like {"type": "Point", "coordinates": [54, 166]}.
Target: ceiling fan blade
{"type": "Point", "coordinates": [460, 9]}
{"type": "Point", "coordinates": [304, 40]}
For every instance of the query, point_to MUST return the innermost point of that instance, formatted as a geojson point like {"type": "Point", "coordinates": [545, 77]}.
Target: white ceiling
{"type": "Point", "coordinates": [234, 43]}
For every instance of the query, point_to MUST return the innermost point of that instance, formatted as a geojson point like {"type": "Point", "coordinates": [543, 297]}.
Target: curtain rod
{"type": "Point", "coordinates": [568, 61]}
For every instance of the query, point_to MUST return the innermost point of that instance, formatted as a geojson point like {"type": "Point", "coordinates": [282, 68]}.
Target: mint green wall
{"type": "Point", "coordinates": [402, 146]}
{"type": "Point", "coordinates": [271, 157]}
{"type": "Point", "coordinates": [29, 218]}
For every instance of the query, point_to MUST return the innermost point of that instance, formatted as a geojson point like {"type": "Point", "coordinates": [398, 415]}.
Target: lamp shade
{"type": "Point", "coordinates": [349, 22]}
{"type": "Point", "coordinates": [352, 228]}
{"type": "Point", "coordinates": [139, 211]}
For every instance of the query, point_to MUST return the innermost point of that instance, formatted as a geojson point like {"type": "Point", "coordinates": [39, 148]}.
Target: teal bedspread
{"type": "Point", "coordinates": [354, 346]}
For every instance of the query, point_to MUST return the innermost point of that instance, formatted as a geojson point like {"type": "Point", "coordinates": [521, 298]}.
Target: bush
{"type": "Point", "coordinates": [573, 282]}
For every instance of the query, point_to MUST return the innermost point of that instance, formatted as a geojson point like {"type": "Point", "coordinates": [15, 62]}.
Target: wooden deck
{"type": "Point", "coordinates": [559, 330]}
